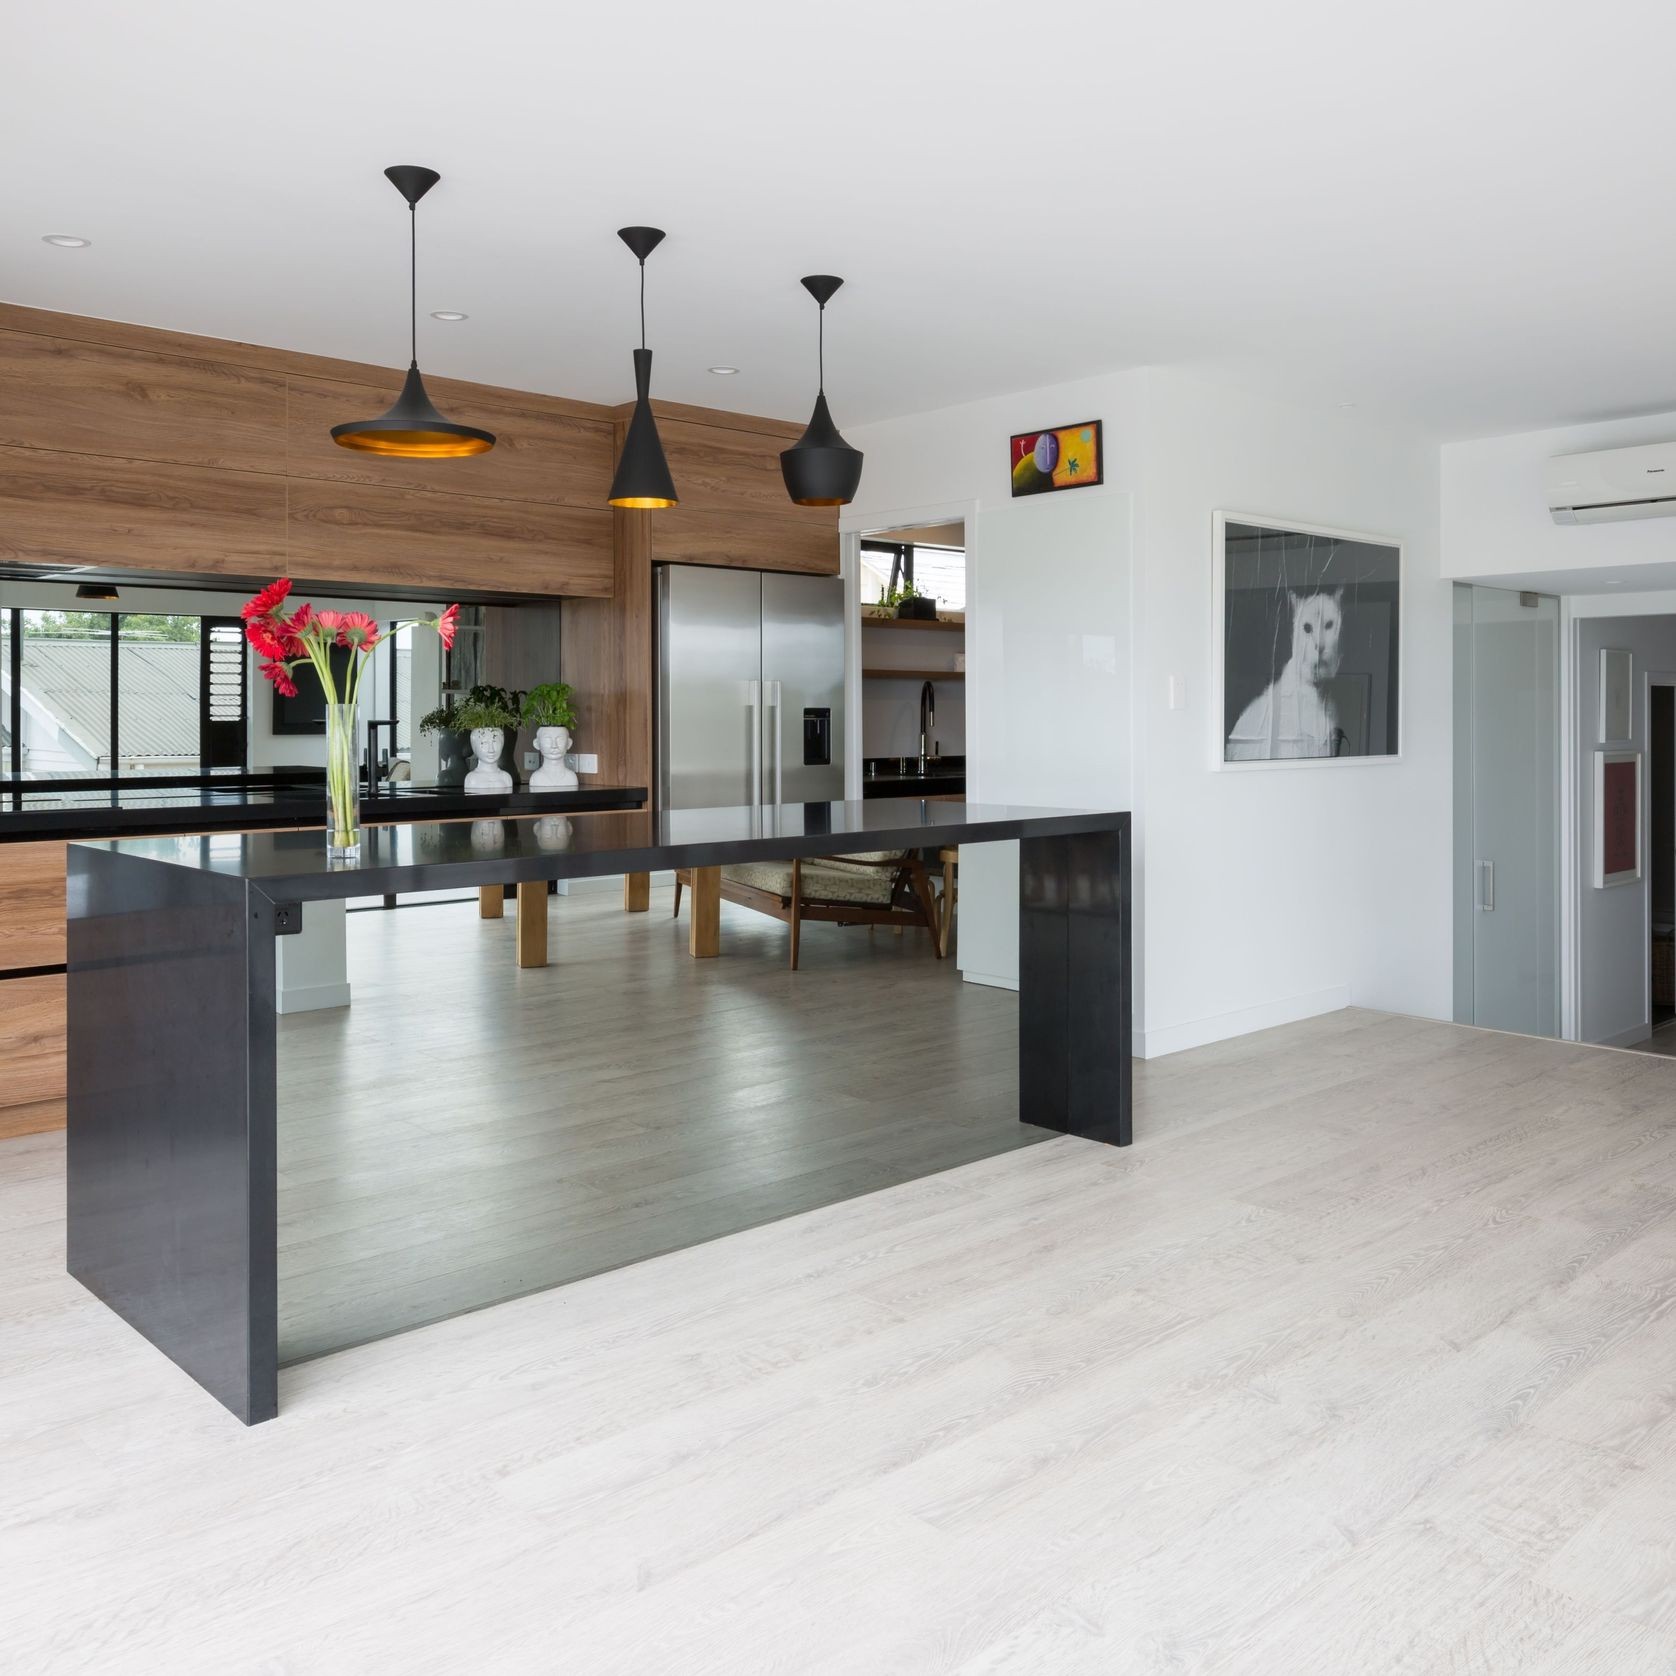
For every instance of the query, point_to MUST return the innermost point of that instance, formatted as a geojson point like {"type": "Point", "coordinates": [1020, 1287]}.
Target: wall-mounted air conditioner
{"type": "Point", "coordinates": [1613, 484]}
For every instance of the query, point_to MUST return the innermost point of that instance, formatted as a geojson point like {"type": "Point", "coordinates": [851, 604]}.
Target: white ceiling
{"type": "Point", "coordinates": [1459, 213]}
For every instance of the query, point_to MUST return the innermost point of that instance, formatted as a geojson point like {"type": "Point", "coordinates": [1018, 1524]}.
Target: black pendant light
{"type": "Point", "coordinates": [820, 468]}
{"type": "Point", "coordinates": [642, 478]}
{"type": "Point", "coordinates": [413, 429]}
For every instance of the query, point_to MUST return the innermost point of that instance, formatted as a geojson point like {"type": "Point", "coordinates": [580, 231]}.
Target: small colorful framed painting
{"type": "Point", "coordinates": [1067, 457]}
{"type": "Point", "coordinates": [1617, 818]}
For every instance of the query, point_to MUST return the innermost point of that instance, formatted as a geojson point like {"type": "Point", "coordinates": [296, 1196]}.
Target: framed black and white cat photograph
{"type": "Point", "coordinates": [1309, 641]}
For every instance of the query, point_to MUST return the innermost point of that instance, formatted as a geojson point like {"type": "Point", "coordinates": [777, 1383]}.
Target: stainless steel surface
{"type": "Point", "coordinates": [709, 664]}
{"type": "Point", "coordinates": [803, 656]}
{"type": "Point", "coordinates": [742, 655]}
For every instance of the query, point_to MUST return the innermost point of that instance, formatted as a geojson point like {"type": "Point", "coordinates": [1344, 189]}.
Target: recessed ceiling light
{"type": "Point", "coordinates": [1613, 584]}
{"type": "Point", "coordinates": [448, 314]}
{"type": "Point", "coordinates": [66, 241]}
{"type": "Point", "coordinates": [724, 372]}
{"type": "Point", "coordinates": [1347, 406]}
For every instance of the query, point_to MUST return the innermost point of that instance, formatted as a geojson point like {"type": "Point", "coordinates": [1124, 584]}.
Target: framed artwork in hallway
{"type": "Point", "coordinates": [1617, 818]}
{"type": "Point", "coordinates": [1308, 644]}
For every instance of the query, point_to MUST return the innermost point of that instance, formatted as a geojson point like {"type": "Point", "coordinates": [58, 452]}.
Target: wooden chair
{"type": "Point", "coordinates": [880, 887]}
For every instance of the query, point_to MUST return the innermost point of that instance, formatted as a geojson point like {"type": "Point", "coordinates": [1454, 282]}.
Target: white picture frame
{"type": "Point", "coordinates": [1392, 699]}
{"type": "Point", "coordinates": [1616, 819]}
{"type": "Point", "coordinates": [1617, 697]}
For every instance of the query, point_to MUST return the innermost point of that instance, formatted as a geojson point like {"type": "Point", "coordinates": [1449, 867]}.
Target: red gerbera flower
{"type": "Point", "coordinates": [446, 625]}
{"type": "Point", "coordinates": [268, 601]}
{"type": "Point", "coordinates": [280, 675]}
{"type": "Point", "coordinates": [261, 634]}
{"type": "Point", "coordinates": [297, 622]}
{"type": "Point", "coordinates": [356, 628]}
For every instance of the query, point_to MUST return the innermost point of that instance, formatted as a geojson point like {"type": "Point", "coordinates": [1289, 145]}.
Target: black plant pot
{"type": "Point", "coordinates": [453, 757]}
{"type": "Point", "coordinates": [918, 610]}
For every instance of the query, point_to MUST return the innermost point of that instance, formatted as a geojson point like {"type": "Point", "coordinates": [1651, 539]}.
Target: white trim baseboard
{"type": "Point", "coordinates": [312, 998]}
{"type": "Point", "coordinates": [991, 979]}
{"type": "Point", "coordinates": [1219, 1027]}
{"type": "Point", "coordinates": [608, 881]}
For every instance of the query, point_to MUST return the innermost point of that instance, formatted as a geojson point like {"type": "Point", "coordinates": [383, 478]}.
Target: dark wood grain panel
{"type": "Point", "coordinates": [31, 905]}
{"type": "Point", "coordinates": [354, 532]}
{"type": "Point", "coordinates": [84, 509]}
{"type": "Point", "coordinates": [720, 469]}
{"type": "Point", "coordinates": [82, 398]}
{"type": "Point", "coordinates": [606, 656]}
{"type": "Point", "coordinates": [681, 535]}
{"type": "Point", "coordinates": [32, 1039]}
{"type": "Point", "coordinates": [119, 334]}
{"type": "Point", "coordinates": [540, 452]}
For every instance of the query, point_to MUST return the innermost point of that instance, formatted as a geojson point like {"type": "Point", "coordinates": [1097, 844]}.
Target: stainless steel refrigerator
{"type": "Point", "coordinates": [750, 687]}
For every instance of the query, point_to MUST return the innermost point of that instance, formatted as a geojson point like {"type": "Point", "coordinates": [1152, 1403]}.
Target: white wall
{"type": "Point", "coordinates": [1275, 894]}
{"type": "Point", "coordinates": [1049, 618]}
{"type": "Point", "coordinates": [1259, 897]}
{"type": "Point", "coordinates": [1496, 523]}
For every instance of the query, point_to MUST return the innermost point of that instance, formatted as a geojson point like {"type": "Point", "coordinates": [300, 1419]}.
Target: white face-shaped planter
{"type": "Point", "coordinates": [487, 776]}
{"type": "Point", "coordinates": [552, 775]}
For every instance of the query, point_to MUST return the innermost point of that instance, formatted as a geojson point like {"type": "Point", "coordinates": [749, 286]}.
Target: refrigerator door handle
{"type": "Point", "coordinates": [779, 736]}
{"type": "Point", "coordinates": [753, 705]}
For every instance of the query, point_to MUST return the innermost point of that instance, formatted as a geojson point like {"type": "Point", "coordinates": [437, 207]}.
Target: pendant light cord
{"type": "Point", "coordinates": [413, 282]}
{"type": "Point", "coordinates": [821, 351]}
{"type": "Point", "coordinates": [642, 302]}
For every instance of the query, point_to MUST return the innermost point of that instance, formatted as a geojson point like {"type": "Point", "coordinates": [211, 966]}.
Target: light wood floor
{"type": "Point", "coordinates": [1361, 1360]}
{"type": "Point", "coordinates": [467, 1132]}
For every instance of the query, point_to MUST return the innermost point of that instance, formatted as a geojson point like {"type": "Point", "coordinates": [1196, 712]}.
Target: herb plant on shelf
{"type": "Point", "coordinates": [286, 644]}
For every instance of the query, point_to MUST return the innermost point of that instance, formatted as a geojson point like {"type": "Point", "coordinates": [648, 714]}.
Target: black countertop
{"type": "Point", "coordinates": [35, 809]}
{"type": "Point", "coordinates": [294, 865]}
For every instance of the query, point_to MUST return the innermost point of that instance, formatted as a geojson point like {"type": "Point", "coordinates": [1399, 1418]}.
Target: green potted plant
{"type": "Point", "coordinates": [456, 718]}
{"type": "Point", "coordinates": [912, 604]}
{"type": "Point", "coordinates": [490, 716]}
{"type": "Point", "coordinates": [453, 743]}
{"type": "Point", "coordinates": [549, 710]}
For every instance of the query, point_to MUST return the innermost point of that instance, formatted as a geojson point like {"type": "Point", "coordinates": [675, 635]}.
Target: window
{"type": "Point", "coordinates": [158, 689]}
{"type": "Point", "coordinates": [939, 573]}
{"type": "Point", "coordinates": [88, 695]}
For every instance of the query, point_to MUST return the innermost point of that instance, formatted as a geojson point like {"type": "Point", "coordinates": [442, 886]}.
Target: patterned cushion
{"type": "Point", "coordinates": [822, 882]}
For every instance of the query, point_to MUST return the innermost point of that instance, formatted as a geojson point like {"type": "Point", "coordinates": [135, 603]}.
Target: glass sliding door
{"type": "Point", "coordinates": [1507, 810]}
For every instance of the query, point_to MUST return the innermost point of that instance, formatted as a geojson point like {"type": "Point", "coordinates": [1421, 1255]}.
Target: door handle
{"type": "Point", "coordinates": [779, 743]}
{"type": "Point", "coordinates": [1484, 882]}
{"type": "Point", "coordinates": [753, 707]}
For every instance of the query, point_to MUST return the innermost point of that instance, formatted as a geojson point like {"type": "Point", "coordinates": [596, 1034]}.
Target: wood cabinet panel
{"type": "Point", "coordinates": [717, 469]}
{"type": "Point", "coordinates": [540, 454]}
{"type": "Point", "coordinates": [683, 536]}
{"type": "Point", "coordinates": [84, 398]}
{"type": "Point", "coordinates": [139, 515]}
{"type": "Point", "coordinates": [358, 533]}
{"type": "Point", "coordinates": [31, 905]}
{"type": "Point", "coordinates": [32, 1014]}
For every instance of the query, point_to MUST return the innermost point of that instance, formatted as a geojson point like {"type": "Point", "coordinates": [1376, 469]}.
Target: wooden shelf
{"type": "Point", "coordinates": [870, 621]}
{"type": "Point", "coordinates": [915, 674]}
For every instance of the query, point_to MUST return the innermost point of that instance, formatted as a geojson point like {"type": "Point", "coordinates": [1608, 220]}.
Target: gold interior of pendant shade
{"type": "Point", "coordinates": [642, 503]}
{"type": "Point", "coordinates": [413, 445]}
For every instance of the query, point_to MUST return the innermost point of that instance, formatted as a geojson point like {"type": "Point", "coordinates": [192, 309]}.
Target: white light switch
{"type": "Point", "coordinates": [584, 762]}
{"type": "Point", "coordinates": [532, 759]}
{"type": "Point", "coordinates": [1178, 693]}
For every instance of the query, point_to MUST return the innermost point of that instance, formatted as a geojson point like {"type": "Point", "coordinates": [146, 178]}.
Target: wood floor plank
{"type": "Point", "coordinates": [1360, 1360]}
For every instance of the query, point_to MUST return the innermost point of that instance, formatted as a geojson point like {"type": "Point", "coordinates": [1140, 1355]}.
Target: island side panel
{"type": "Point", "coordinates": [170, 1107]}
{"type": "Point", "coordinates": [1075, 1013]}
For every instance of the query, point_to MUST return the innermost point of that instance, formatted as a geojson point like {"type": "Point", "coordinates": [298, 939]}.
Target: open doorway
{"type": "Point", "coordinates": [1661, 787]}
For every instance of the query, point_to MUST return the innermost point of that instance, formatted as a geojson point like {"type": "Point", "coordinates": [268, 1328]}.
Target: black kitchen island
{"type": "Point", "coordinates": [172, 1103]}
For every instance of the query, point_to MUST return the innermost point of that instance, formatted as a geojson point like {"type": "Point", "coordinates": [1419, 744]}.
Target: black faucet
{"type": "Point", "coordinates": [372, 762]}
{"type": "Point", "coordinates": [927, 720]}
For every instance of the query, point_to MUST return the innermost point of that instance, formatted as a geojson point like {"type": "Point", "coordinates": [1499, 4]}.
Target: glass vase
{"type": "Point", "coordinates": [343, 784]}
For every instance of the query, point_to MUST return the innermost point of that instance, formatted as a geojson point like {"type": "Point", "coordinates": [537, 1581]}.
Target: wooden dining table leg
{"type": "Point", "coordinates": [491, 902]}
{"type": "Point", "coordinates": [532, 923]}
{"type": "Point", "coordinates": [704, 928]}
{"type": "Point", "coordinates": [637, 892]}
